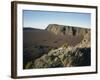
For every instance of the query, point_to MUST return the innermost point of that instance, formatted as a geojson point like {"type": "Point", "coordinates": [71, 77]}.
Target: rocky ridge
{"type": "Point", "coordinates": [65, 55]}
{"type": "Point", "coordinates": [69, 30]}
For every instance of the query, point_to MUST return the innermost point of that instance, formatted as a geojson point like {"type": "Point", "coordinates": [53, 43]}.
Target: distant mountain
{"type": "Point", "coordinates": [69, 30]}
{"type": "Point", "coordinates": [28, 28]}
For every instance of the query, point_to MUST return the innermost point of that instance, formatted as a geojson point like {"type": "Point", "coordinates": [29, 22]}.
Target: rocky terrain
{"type": "Point", "coordinates": [66, 30]}
{"type": "Point", "coordinates": [56, 46]}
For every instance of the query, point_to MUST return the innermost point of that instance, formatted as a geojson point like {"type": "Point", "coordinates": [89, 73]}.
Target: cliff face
{"type": "Point", "coordinates": [57, 46]}
{"type": "Point", "coordinates": [69, 30]}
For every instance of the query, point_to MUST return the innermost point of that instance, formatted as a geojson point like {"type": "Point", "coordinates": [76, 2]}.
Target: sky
{"type": "Point", "coordinates": [41, 19]}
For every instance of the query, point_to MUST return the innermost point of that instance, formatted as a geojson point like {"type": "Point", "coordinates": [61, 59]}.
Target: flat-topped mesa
{"type": "Point", "coordinates": [69, 30]}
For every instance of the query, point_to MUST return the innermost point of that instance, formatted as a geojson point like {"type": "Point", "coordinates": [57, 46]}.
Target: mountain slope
{"type": "Point", "coordinates": [38, 42]}
{"type": "Point", "coordinates": [66, 56]}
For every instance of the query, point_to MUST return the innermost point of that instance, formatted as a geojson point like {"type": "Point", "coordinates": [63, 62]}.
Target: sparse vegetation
{"type": "Point", "coordinates": [29, 65]}
{"type": "Point", "coordinates": [65, 45]}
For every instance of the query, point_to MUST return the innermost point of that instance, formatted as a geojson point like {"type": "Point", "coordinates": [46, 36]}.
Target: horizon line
{"type": "Point", "coordinates": [59, 25]}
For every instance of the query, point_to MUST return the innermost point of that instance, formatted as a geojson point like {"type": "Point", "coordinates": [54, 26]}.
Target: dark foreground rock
{"type": "Point", "coordinates": [64, 58]}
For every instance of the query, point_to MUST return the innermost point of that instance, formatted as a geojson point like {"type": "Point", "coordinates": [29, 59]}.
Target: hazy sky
{"type": "Point", "coordinates": [41, 19]}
